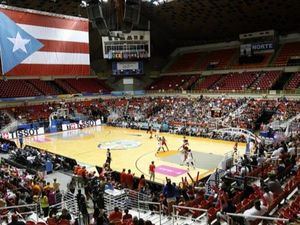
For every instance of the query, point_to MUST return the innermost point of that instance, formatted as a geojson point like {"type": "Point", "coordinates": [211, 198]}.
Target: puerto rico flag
{"type": "Point", "coordinates": [34, 43]}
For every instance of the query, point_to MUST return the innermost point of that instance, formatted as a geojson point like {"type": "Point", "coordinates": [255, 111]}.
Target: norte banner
{"type": "Point", "coordinates": [258, 47]}
{"type": "Point", "coordinates": [35, 43]}
{"type": "Point", "coordinates": [24, 133]}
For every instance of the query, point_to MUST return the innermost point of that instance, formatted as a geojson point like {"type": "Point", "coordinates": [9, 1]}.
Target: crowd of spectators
{"type": "Point", "coordinates": [253, 186]}
{"type": "Point", "coordinates": [195, 116]}
{"type": "Point", "coordinates": [4, 119]}
{"type": "Point", "coordinates": [18, 187]}
{"type": "Point", "coordinates": [37, 159]}
{"type": "Point", "coordinates": [273, 165]}
{"type": "Point", "coordinates": [199, 116]}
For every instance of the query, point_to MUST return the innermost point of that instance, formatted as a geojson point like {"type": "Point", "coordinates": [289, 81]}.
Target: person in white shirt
{"type": "Point", "coordinates": [190, 159]}
{"type": "Point", "coordinates": [276, 153]}
{"type": "Point", "coordinates": [256, 210]}
{"type": "Point", "coordinates": [268, 196]}
{"type": "Point", "coordinates": [291, 150]}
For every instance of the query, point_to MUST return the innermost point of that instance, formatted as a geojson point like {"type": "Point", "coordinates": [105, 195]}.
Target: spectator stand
{"type": "Point", "coordinates": [54, 116]}
{"type": "Point", "coordinates": [263, 218]}
{"type": "Point", "coordinates": [203, 217]}
{"type": "Point", "coordinates": [154, 207]}
{"type": "Point", "coordinates": [125, 198]}
{"type": "Point", "coordinates": [6, 145]}
{"type": "Point", "coordinates": [69, 202]}
{"type": "Point", "coordinates": [25, 213]}
{"type": "Point", "coordinates": [45, 163]}
{"type": "Point", "coordinates": [238, 131]}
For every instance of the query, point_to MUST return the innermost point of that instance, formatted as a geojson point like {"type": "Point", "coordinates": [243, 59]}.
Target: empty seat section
{"type": "Point", "coordinates": [17, 88]}
{"type": "Point", "coordinates": [288, 50]}
{"type": "Point", "coordinates": [236, 81]}
{"type": "Point", "coordinates": [184, 63]}
{"type": "Point", "coordinates": [169, 82]}
{"type": "Point", "coordinates": [266, 80]}
{"type": "Point", "coordinates": [65, 86]}
{"type": "Point", "coordinates": [43, 87]}
{"type": "Point", "coordinates": [90, 85]}
{"type": "Point", "coordinates": [294, 82]}
{"type": "Point", "coordinates": [207, 82]}
{"type": "Point", "coordinates": [218, 59]}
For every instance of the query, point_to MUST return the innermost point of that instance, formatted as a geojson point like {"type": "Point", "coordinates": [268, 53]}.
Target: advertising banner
{"type": "Point", "coordinates": [81, 124]}
{"type": "Point", "coordinates": [24, 133]}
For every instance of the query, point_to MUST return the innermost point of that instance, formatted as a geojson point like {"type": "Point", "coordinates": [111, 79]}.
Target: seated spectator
{"type": "Point", "coordinates": [15, 220]}
{"type": "Point", "coordinates": [65, 215]}
{"type": "Point", "coordinates": [248, 190]}
{"type": "Point", "coordinates": [256, 210]}
{"type": "Point", "coordinates": [228, 207]}
{"type": "Point", "coordinates": [274, 185]}
{"type": "Point", "coordinates": [127, 216]}
{"type": "Point", "coordinates": [115, 216]}
{"type": "Point", "coordinates": [268, 197]}
{"type": "Point", "coordinates": [135, 221]}
{"type": "Point", "coordinates": [142, 183]}
{"type": "Point", "coordinates": [55, 185]}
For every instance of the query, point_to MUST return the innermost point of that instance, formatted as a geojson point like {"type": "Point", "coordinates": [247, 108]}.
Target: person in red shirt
{"type": "Point", "coordinates": [115, 217]}
{"type": "Point", "coordinates": [164, 143]}
{"type": "Point", "coordinates": [123, 178]}
{"type": "Point", "coordinates": [152, 171]}
{"type": "Point", "coordinates": [76, 169]}
{"type": "Point", "coordinates": [129, 180]}
{"type": "Point", "coordinates": [127, 217]}
{"type": "Point", "coordinates": [142, 183]}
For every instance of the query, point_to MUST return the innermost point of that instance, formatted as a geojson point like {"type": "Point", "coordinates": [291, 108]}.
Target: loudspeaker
{"type": "Point", "coordinates": [131, 15]}
{"type": "Point", "coordinates": [95, 14]}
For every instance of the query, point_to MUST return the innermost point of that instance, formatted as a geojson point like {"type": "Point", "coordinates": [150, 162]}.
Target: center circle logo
{"type": "Point", "coordinates": [119, 144]}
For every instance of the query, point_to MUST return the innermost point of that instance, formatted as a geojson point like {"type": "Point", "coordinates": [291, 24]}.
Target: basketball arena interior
{"type": "Point", "coordinates": [149, 112]}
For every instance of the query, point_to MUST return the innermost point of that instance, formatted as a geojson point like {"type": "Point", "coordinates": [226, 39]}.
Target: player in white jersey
{"type": "Point", "coordinates": [190, 159]}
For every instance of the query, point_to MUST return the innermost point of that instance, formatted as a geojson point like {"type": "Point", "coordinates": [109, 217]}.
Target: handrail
{"type": "Point", "coordinates": [258, 217]}
{"type": "Point", "coordinates": [150, 203]}
{"type": "Point", "coordinates": [17, 206]}
{"type": "Point", "coordinates": [147, 202]}
{"type": "Point", "coordinates": [21, 206]}
{"type": "Point", "coordinates": [189, 208]}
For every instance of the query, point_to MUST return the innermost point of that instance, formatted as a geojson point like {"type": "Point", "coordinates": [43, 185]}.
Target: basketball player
{"type": "Point", "coordinates": [20, 136]}
{"type": "Point", "coordinates": [157, 133]}
{"type": "Point", "coordinates": [152, 171]}
{"type": "Point", "coordinates": [150, 131]}
{"type": "Point", "coordinates": [184, 145]}
{"type": "Point", "coordinates": [160, 146]}
{"type": "Point", "coordinates": [108, 157]}
{"type": "Point", "coordinates": [80, 124]}
{"type": "Point", "coordinates": [164, 142]}
{"type": "Point", "coordinates": [184, 152]}
{"type": "Point", "coordinates": [235, 154]}
{"type": "Point", "coordinates": [190, 159]}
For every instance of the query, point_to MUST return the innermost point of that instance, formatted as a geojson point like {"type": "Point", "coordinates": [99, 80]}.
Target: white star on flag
{"type": "Point", "coordinates": [19, 43]}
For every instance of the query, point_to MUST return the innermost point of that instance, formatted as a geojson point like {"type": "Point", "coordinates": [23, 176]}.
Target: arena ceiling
{"type": "Point", "coordinates": [188, 22]}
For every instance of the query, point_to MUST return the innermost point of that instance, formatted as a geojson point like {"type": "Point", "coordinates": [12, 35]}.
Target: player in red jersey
{"type": "Point", "coordinates": [150, 131]}
{"type": "Point", "coordinates": [164, 143]}
{"type": "Point", "coordinates": [152, 171]}
{"type": "Point", "coordinates": [184, 145]}
{"type": "Point", "coordinates": [160, 145]}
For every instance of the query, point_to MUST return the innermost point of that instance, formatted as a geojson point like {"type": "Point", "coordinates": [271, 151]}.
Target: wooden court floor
{"type": "Point", "coordinates": [132, 149]}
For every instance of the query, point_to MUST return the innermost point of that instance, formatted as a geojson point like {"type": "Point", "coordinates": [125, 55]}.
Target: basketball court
{"type": "Point", "coordinates": [133, 149]}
